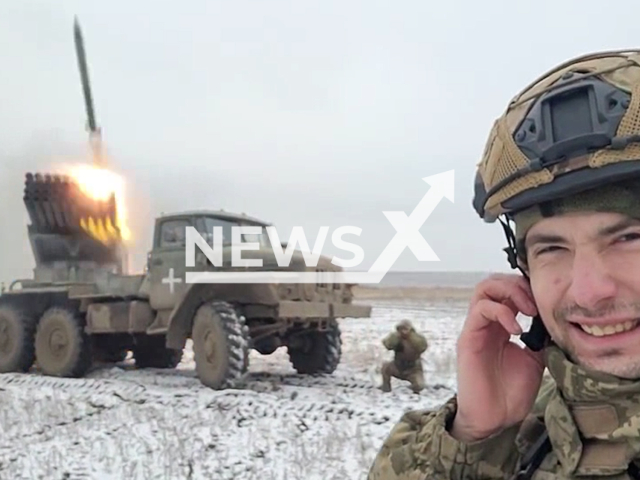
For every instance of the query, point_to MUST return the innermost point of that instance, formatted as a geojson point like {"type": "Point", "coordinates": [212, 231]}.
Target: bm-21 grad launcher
{"type": "Point", "coordinates": [81, 307]}
{"type": "Point", "coordinates": [74, 235]}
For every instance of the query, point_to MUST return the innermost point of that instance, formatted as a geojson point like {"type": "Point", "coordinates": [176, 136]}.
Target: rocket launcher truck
{"type": "Point", "coordinates": [80, 308]}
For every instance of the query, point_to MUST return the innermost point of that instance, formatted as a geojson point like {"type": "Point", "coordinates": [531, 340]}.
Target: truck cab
{"type": "Point", "coordinates": [167, 262]}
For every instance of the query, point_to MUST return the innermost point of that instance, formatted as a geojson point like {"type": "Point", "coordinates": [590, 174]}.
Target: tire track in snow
{"type": "Point", "coordinates": [174, 388]}
{"type": "Point", "coordinates": [72, 385]}
{"type": "Point", "coordinates": [168, 417]}
{"type": "Point", "coordinates": [258, 381]}
{"type": "Point", "coordinates": [243, 407]}
{"type": "Point", "coordinates": [350, 382]}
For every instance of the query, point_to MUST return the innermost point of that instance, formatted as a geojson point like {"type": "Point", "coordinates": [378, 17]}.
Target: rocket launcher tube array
{"type": "Point", "coordinates": [56, 204]}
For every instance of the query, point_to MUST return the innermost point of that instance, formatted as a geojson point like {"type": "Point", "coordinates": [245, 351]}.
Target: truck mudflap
{"type": "Point", "coordinates": [297, 309]}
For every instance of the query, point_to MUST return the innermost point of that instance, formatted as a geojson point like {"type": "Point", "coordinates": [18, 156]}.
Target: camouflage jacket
{"type": "Point", "coordinates": [407, 351]}
{"type": "Point", "coordinates": [589, 421]}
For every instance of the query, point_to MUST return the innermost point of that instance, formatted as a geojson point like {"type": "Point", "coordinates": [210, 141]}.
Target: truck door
{"type": "Point", "coordinates": [167, 266]}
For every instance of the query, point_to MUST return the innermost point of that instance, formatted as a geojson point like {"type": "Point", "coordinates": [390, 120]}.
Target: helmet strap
{"type": "Point", "coordinates": [538, 336]}
{"type": "Point", "coordinates": [510, 249]}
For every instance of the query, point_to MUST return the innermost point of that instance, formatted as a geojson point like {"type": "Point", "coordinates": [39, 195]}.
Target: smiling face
{"type": "Point", "coordinates": [585, 276]}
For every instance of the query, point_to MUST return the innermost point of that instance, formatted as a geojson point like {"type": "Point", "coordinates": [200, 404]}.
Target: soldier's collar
{"type": "Point", "coordinates": [579, 384]}
{"type": "Point", "coordinates": [593, 418]}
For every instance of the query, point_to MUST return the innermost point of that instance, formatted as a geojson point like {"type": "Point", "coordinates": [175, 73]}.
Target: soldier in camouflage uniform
{"type": "Point", "coordinates": [561, 170]}
{"type": "Point", "coordinates": [408, 346]}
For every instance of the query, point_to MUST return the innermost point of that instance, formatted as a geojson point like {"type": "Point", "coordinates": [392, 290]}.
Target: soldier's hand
{"type": "Point", "coordinates": [497, 379]}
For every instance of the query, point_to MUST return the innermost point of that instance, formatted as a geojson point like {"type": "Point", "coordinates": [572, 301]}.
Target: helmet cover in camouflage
{"type": "Point", "coordinates": [575, 128]}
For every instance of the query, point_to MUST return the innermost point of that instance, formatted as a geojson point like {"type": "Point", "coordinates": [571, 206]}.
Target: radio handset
{"type": "Point", "coordinates": [537, 336]}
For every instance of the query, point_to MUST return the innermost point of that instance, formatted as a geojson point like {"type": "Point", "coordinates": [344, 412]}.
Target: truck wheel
{"type": "Point", "coordinates": [63, 349]}
{"type": "Point", "coordinates": [220, 345]}
{"type": "Point", "coordinates": [17, 331]}
{"type": "Point", "coordinates": [151, 352]}
{"type": "Point", "coordinates": [320, 352]}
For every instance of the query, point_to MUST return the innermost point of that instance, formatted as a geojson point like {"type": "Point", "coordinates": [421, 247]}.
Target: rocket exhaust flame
{"type": "Point", "coordinates": [101, 185]}
{"type": "Point", "coordinates": [100, 229]}
{"type": "Point", "coordinates": [79, 198]}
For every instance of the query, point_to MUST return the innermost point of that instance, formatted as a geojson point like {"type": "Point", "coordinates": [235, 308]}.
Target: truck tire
{"type": "Point", "coordinates": [62, 347]}
{"type": "Point", "coordinates": [321, 352]}
{"type": "Point", "coordinates": [220, 345]}
{"type": "Point", "coordinates": [17, 332]}
{"type": "Point", "coordinates": [151, 352]}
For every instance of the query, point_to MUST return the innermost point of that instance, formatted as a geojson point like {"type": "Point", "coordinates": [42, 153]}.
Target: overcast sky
{"type": "Point", "coordinates": [298, 112]}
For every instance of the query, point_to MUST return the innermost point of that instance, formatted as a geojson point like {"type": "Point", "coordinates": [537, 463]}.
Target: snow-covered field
{"type": "Point", "coordinates": [120, 423]}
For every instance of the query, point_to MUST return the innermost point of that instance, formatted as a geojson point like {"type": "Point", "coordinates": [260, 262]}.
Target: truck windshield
{"type": "Point", "coordinates": [211, 222]}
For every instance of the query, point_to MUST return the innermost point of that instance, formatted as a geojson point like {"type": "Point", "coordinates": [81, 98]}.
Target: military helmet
{"type": "Point", "coordinates": [575, 128]}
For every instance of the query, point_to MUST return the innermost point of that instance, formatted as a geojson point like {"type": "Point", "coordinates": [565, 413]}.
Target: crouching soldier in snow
{"type": "Point", "coordinates": [408, 346]}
